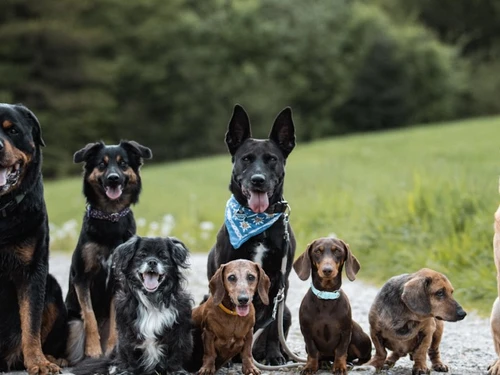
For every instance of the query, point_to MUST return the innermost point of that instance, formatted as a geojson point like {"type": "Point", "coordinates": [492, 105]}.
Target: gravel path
{"type": "Point", "coordinates": [467, 346]}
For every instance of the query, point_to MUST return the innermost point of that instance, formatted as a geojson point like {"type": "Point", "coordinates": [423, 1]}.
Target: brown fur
{"type": "Point", "coordinates": [7, 124]}
{"type": "Point", "coordinates": [93, 339]}
{"type": "Point", "coordinates": [327, 326]}
{"type": "Point", "coordinates": [25, 253]}
{"type": "Point", "coordinates": [225, 335]}
{"type": "Point", "coordinates": [494, 369]}
{"type": "Point", "coordinates": [406, 317]}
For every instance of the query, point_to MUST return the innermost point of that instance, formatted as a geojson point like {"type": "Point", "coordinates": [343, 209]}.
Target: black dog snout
{"type": "Point", "coordinates": [243, 299]}
{"type": "Point", "coordinates": [152, 263]}
{"type": "Point", "coordinates": [113, 177]}
{"type": "Point", "coordinates": [327, 270]}
{"type": "Point", "coordinates": [258, 179]}
{"type": "Point", "coordinates": [460, 313]}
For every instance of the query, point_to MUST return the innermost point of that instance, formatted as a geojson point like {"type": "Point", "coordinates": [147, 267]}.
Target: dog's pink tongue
{"type": "Point", "coordinates": [243, 310]}
{"type": "Point", "coordinates": [258, 201]}
{"type": "Point", "coordinates": [151, 280]}
{"type": "Point", "coordinates": [3, 176]}
{"type": "Point", "coordinates": [113, 192]}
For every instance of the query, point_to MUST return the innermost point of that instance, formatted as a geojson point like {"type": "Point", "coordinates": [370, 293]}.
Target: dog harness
{"type": "Point", "coordinates": [10, 205]}
{"type": "Point", "coordinates": [321, 294]}
{"type": "Point", "coordinates": [242, 223]}
{"type": "Point", "coordinates": [113, 216]}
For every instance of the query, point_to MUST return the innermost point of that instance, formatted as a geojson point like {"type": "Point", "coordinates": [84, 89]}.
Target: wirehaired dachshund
{"type": "Point", "coordinates": [153, 311]}
{"type": "Point", "coordinates": [111, 184]}
{"type": "Point", "coordinates": [407, 318]}
{"type": "Point", "coordinates": [329, 332]}
{"type": "Point", "coordinates": [494, 369]}
{"type": "Point", "coordinates": [33, 317]}
{"type": "Point", "coordinates": [255, 225]}
{"type": "Point", "coordinates": [224, 323]}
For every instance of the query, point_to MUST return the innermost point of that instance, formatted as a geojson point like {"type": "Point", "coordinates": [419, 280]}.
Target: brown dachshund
{"type": "Point", "coordinates": [407, 318]}
{"type": "Point", "coordinates": [227, 318]}
{"type": "Point", "coordinates": [325, 313]}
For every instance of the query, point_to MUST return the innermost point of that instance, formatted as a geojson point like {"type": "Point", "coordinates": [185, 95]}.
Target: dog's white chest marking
{"type": "Point", "coordinates": [260, 252]}
{"type": "Point", "coordinates": [152, 321]}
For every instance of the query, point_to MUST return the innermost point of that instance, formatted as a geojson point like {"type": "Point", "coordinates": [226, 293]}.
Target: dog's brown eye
{"type": "Point", "coordinates": [231, 278]}
{"type": "Point", "coordinates": [251, 277]}
{"type": "Point", "coordinates": [440, 293]}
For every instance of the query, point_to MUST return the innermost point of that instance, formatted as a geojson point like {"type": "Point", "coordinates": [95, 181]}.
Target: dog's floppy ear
{"type": "Point", "coordinates": [238, 129]}
{"type": "Point", "coordinates": [415, 295]}
{"type": "Point", "coordinates": [137, 149]}
{"type": "Point", "coordinates": [85, 153]}
{"type": "Point", "coordinates": [302, 264]}
{"type": "Point", "coordinates": [37, 129]}
{"type": "Point", "coordinates": [283, 132]}
{"type": "Point", "coordinates": [263, 285]}
{"type": "Point", "coordinates": [216, 285]}
{"type": "Point", "coordinates": [179, 252]}
{"type": "Point", "coordinates": [124, 253]}
{"type": "Point", "coordinates": [352, 265]}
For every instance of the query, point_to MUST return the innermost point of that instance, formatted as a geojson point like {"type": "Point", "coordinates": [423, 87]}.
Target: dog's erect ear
{"type": "Point", "coordinates": [179, 252]}
{"type": "Point", "coordinates": [415, 295]}
{"type": "Point", "coordinates": [352, 265]}
{"type": "Point", "coordinates": [216, 285]}
{"type": "Point", "coordinates": [85, 153]}
{"type": "Point", "coordinates": [302, 264]}
{"type": "Point", "coordinates": [37, 129]}
{"type": "Point", "coordinates": [238, 129]}
{"type": "Point", "coordinates": [137, 149]}
{"type": "Point", "coordinates": [283, 132]}
{"type": "Point", "coordinates": [263, 285]}
{"type": "Point", "coordinates": [123, 254]}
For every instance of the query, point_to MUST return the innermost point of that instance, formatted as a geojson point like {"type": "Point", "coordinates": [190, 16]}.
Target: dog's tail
{"type": "Point", "coordinates": [75, 347]}
{"type": "Point", "coordinates": [95, 366]}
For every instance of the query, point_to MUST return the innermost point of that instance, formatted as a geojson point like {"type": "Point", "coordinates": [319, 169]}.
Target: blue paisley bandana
{"type": "Point", "coordinates": [242, 223]}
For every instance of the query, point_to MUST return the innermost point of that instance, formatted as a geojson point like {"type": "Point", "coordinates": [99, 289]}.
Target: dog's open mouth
{"type": "Point", "coordinates": [151, 280]}
{"type": "Point", "coordinates": [258, 201]}
{"type": "Point", "coordinates": [242, 310]}
{"type": "Point", "coordinates": [9, 175]}
{"type": "Point", "coordinates": [114, 192]}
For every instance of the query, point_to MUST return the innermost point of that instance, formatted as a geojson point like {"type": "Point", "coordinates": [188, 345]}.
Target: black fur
{"type": "Point", "coordinates": [107, 169]}
{"type": "Point", "coordinates": [131, 260]}
{"type": "Point", "coordinates": [259, 165]}
{"type": "Point", "coordinates": [24, 246]}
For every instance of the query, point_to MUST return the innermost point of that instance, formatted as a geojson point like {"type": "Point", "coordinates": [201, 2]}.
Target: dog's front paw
{"type": "Point", "coordinates": [308, 370]}
{"type": "Point", "coordinates": [439, 367]}
{"type": "Point", "coordinates": [207, 370]}
{"type": "Point", "coordinates": [43, 368]}
{"type": "Point", "coordinates": [93, 350]}
{"type": "Point", "coordinates": [420, 370]}
{"type": "Point", "coordinates": [494, 368]}
{"type": "Point", "coordinates": [376, 362]}
{"type": "Point", "coordinates": [61, 362]}
{"type": "Point", "coordinates": [250, 370]}
{"type": "Point", "coordinates": [275, 360]}
{"type": "Point", "coordinates": [339, 370]}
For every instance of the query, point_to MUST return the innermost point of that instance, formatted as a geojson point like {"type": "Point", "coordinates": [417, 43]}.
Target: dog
{"type": "Point", "coordinates": [494, 369]}
{"type": "Point", "coordinates": [255, 224]}
{"type": "Point", "coordinates": [224, 323]}
{"type": "Point", "coordinates": [407, 318]}
{"type": "Point", "coordinates": [33, 318]}
{"type": "Point", "coordinates": [153, 311]}
{"type": "Point", "coordinates": [325, 312]}
{"type": "Point", "coordinates": [111, 184]}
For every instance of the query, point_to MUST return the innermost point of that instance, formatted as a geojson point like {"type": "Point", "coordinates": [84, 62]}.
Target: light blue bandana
{"type": "Point", "coordinates": [242, 223]}
{"type": "Point", "coordinates": [321, 294]}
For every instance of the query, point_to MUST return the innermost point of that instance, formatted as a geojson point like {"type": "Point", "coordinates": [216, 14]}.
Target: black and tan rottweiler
{"type": "Point", "coordinates": [111, 184]}
{"type": "Point", "coordinates": [255, 223]}
{"type": "Point", "coordinates": [32, 313]}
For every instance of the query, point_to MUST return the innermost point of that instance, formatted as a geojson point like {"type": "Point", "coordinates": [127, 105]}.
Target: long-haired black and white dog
{"type": "Point", "coordinates": [153, 310]}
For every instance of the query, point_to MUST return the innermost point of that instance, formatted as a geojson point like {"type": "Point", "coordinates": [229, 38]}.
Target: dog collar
{"type": "Point", "coordinates": [226, 310]}
{"type": "Point", "coordinates": [321, 294]}
{"type": "Point", "coordinates": [242, 223]}
{"type": "Point", "coordinates": [113, 216]}
{"type": "Point", "coordinates": [6, 208]}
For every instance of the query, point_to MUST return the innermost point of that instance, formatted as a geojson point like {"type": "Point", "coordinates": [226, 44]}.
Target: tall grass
{"type": "Point", "coordinates": [419, 197]}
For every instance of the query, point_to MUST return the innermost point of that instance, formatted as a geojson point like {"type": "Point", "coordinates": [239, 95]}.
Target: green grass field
{"type": "Point", "coordinates": [406, 199]}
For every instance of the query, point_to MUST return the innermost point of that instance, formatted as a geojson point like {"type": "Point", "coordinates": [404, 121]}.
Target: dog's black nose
{"type": "Point", "coordinates": [243, 299]}
{"type": "Point", "coordinates": [327, 270]}
{"type": "Point", "coordinates": [113, 177]}
{"type": "Point", "coordinates": [461, 313]}
{"type": "Point", "coordinates": [152, 263]}
{"type": "Point", "coordinates": [258, 179]}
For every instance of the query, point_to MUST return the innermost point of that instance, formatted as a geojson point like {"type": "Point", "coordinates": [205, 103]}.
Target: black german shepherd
{"type": "Point", "coordinates": [111, 184]}
{"type": "Point", "coordinates": [32, 312]}
{"type": "Point", "coordinates": [257, 188]}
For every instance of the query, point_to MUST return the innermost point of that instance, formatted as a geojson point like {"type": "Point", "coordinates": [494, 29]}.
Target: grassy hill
{"type": "Point", "coordinates": [406, 199]}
